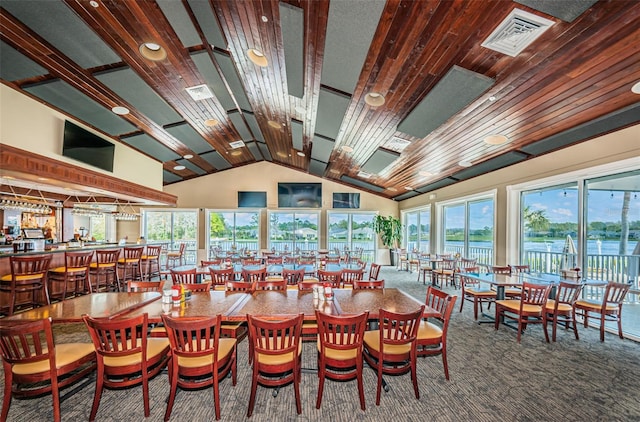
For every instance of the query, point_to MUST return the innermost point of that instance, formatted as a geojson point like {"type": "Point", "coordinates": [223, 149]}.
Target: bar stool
{"type": "Point", "coordinates": [174, 256]}
{"type": "Point", "coordinates": [131, 262]}
{"type": "Point", "coordinates": [28, 275]}
{"type": "Point", "coordinates": [105, 267]}
{"type": "Point", "coordinates": [151, 258]}
{"type": "Point", "coordinates": [75, 271]}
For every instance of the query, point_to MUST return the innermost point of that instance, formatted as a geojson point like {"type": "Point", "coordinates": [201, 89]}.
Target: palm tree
{"type": "Point", "coordinates": [535, 221]}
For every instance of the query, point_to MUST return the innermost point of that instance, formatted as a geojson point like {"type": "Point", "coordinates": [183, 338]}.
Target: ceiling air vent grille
{"type": "Point", "coordinates": [396, 144]}
{"type": "Point", "coordinates": [200, 92]}
{"type": "Point", "coordinates": [517, 32]}
{"type": "Point", "coordinates": [236, 144]}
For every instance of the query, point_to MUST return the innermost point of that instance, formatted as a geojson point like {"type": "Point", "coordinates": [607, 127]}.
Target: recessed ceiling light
{"type": "Point", "coordinates": [282, 154]}
{"type": "Point", "coordinates": [264, 19]}
{"type": "Point", "coordinates": [153, 51]}
{"type": "Point", "coordinates": [94, 3]}
{"type": "Point", "coordinates": [188, 156]}
{"type": "Point", "coordinates": [347, 148]}
{"type": "Point", "coordinates": [392, 189]}
{"type": "Point", "coordinates": [179, 167]}
{"type": "Point", "coordinates": [119, 110]}
{"type": "Point", "coordinates": [257, 57]}
{"type": "Point", "coordinates": [236, 153]}
{"type": "Point", "coordinates": [274, 124]}
{"type": "Point", "coordinates": [301, 154]}
{"type": "Point", "coordinates": [636, 88]}
{"type": "Point", "coordinates": [465, 163]}
{"type": "Point", "coordinates": [492, 98]}
{"type": "Point", "coordinates": [408, 188]}
{"type": "Point", "coordinates": [211, 122]}
{"type": "Point", "coordinates": [374, 99]}
{"type": "Point", "coordinates": [496, 139]}
{"type": "Point", "coordinates": [425, 173]}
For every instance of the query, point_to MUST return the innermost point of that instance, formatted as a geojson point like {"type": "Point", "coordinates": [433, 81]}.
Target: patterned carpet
{"type": "Point", "coordinates": [493, 378]}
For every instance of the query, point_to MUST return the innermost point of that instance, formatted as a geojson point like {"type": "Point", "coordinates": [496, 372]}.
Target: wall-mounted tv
{"type": "Point", "coordinates": [346, 200]}
{"type": "Point", "coordinates": [300, 195]}
{"type": "Point", "coordinates": [84, 146]}
{"type": "Point", "coordinates": [252, 199]}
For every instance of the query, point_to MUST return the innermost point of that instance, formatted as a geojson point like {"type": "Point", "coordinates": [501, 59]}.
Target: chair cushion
{"type": "Point", "coordinates": [514, 306]}
{"type": "Point", "coordinates": [594, 305]}
{"type": "Point", "coordinates": [428, 331]}
{"type": "Point", "coordinates": [372, 341]}
{"type": "Point", "coordinates": [342, 354]}
{"type": "Point", "coordinates": [102, 265]}
{"type": "Point", "coordinates": [155, 347]}
{"type": "Point", "coordinates": [25, 277]}
{"type": "Point", "coordinates": [280, 359]}
{"type": "Point", "coordinates": [479, 292]}
{"type": "Point", "coordinates": [562, 307]}
{"type": "Point", "coordinates": [66, 353]}
{"type": "Point", "coordinates": [225, 348]}
{"type": "Point", "coordinates": [68, 270]}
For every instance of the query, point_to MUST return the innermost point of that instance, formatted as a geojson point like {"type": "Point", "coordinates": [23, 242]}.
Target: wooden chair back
{"type": "Point", "coordinates": [144, 286]}
{"type": "Point", "coordinates": [271, 285]}
{"type": "Point", "coordinates": [198, 287]}
{"type": "Point", "coordinates": [220, 277]}
{"type": "Point", "coordinates": [251, 276]}
{"type": "Point", "coordinates": [240, 286]}
{"type": "Point", "coordinates": [332, 277]}
{"type": "Point", "coordinates": [293, 277]}
{"type": "Point", "coordinates": [374, 271]}
{"type": "Point", "coordinates": [368, 284]}
{"type": "Point", "coordinates": [189, 276]}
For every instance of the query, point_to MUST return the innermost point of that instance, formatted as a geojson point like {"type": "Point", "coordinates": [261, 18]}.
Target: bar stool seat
{"type": "Point", "coordinates": [174, 257]}
{"type": "Point", "coordinates": [28, 275]}
{"type": "Point", "coordinates": [151, 261]}
{"type": "Point", "coordinates": [104, 268]}
{"type": "Point", "coordinates": [74, 272]}
{"type": "Point", "coordinates": [131, 263]}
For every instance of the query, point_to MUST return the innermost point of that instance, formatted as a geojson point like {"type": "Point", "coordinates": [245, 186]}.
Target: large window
{"type": "Point", "coordinates": [549, 227]}
{"type": "Point", "coordinates": [228, 229]}
{"type": "Point", "coordinates": [468, 228]}
{"type": "Point", "coordinates": [352, 230]}
{"type": "Point", "coordinates": [173, 227]}
{"type": "Point", "coordinates": [294, 230]}
{"type": "Point", "coordinates": [417, 225]}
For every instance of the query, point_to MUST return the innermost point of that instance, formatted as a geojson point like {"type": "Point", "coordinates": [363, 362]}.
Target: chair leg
{"type": "Point", "coordinates": [359, 368]}
{"type": "Point", "coordinates": [296, 387]}
{"type": "Point", "coordinates": [98, 393]}
{"type": "Point", "coordinates": [379, 387]}
{"type": "Point", "coordinates": [55, 396]}
{"type": "Point", "coordinates": [216, 395]}
{"type": "Point", "coordinates": [444, 362]}
{"type": "Point", "coordinates": [145, 394]}
{"type": "Point", "coordinates": [601, 327]}
{"type": "Point", "coordinates": [173, 381]}
{"type": "Point", "coordinates": [254, 386]}
{"type": "Point", "coordinates": [553, 327]}
{"type": "Point", "coordinates": [414, 373]}
{"type": "Point", "coordinates": [321, 375]}
{"type": "Point", "coordinates": [620, 327]}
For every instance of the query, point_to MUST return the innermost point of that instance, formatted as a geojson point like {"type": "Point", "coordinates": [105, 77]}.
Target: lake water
{"type": "Point", "coordinates": [607, 247]}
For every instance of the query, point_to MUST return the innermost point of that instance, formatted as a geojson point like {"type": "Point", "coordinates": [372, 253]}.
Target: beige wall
{"type": "Point", "coordinates": [220, 191]}
{"type": "Point", "coordinates": [610, 148]}
{"type": "Point", "coordinates": [32, 126]}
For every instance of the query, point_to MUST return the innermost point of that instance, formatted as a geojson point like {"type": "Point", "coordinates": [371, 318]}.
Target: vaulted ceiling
{"type": "Point", "coordinates": [392, 97]}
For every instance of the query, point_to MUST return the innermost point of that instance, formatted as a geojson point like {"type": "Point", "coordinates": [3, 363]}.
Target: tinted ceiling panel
{"type": "Point", "coordinates": [380, 160]}
{"type": "Point", "coordinates": [253, 124]}
{"type": "Point", "coordinates": [168, 177]}
{"type": "Point", "coordinates": [265, 152]}
{"type": "Point", "coordinates": [131, 88]}
{"type": "Point", "coordinates": [77, 41]}
{"type": "Point", "coordinates": [207, 21]}
{"type": "Point", "coordinates": [255, 150]}
{"type": "Point", "coordinates": [216, 160]}
{"type": "Point", "coordinates": [210, 73]}
{"type": "Point", "coordinates": [296, 134]}
{"type": "Point", "coordinates": [15, 66]}
{"type": "Point", "coordinates": [437, 185]}
{"type": "Point", "coordinates": [347, 43]}
{"type": "Point", "coordinates": [188, 136]}
{"type": "Point", "coordinates": [452, 93]}
{"type": "Point", "coordinates": [567, 10]}
{"type": "Point", "coordinates": [177, 15]}
{"type": "Point", "coordinates": [151, 147]}
{"type": "Point", "coordinates": [362, 184]}
{"type": "Point", "coordinates": [188, 164]}
{"type": "Point", "coordinates": [229, 72]}
{"type": "Point", "coordinates": [331, 109]}
{"type": "Point", "coordinates": [65, 97]}
{"type": "Point", "coordinates": [317, 168]}
{"type": "Point", "coordinates": [610, 122]}
{"type": "Point", "coordinates": [237, 121]}
{"type": "Point", "coordinates": [322, 148]}
{"type": "Point", "coordinates": [406, 195]}
{"type": "Point", "coordinates": [292, 24]}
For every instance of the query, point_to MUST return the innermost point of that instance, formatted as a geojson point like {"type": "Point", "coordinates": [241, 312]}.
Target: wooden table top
{"type": "Point", "coordinates": [355, 301]}
{"type": "Point", "coordinates": [97, 305]}
{"type": "Point", "coordinates": [283, 304]}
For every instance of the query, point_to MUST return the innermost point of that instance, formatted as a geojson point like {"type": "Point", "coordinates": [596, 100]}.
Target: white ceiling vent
{"type": "Point", "coordinates": [200, 92]}
{"type": "Point", "coordinates": [396, 144]}
{"type": "Point", "coordinates": [236, 144]}
{"type": "Point", "coordinates": [517, 32]}
{"type": "Point", "coordinates": [364, 175]}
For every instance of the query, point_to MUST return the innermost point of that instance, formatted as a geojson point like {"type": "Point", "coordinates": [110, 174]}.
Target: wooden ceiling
{"type": "Point", "coordinates": [301, 110]}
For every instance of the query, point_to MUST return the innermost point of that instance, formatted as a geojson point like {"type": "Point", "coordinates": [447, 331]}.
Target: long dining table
{"type": "Point", "coordinates": [230, 305]}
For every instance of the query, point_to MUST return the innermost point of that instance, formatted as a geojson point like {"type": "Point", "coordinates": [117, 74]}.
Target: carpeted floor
{"type": "Point", "coordinates": [493, 378]}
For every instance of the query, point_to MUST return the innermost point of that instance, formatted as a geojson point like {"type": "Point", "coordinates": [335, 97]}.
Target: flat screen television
{"type": "Point", "coordinates": [346, 200]}
{"type": "Point", "coordinates": [252, 199]}
{"type": "Point", "coordinates": [82, 145]}
{"type": "Point", "coordinates": [300, 195]}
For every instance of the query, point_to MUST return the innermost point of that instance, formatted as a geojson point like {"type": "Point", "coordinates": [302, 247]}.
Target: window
{"type": "Point", "coordinates": [468, 228]}
{"type": "Point", "coordinates": [227, 229]}
{"type": "Point", "coordinates": [418, 229]}
{"type": "Point", "coordinates": [173, 227]}
{"type": "Point", "coordinates": [289, 231]}
{"type": "Point", "coordinates": [352, 230]}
